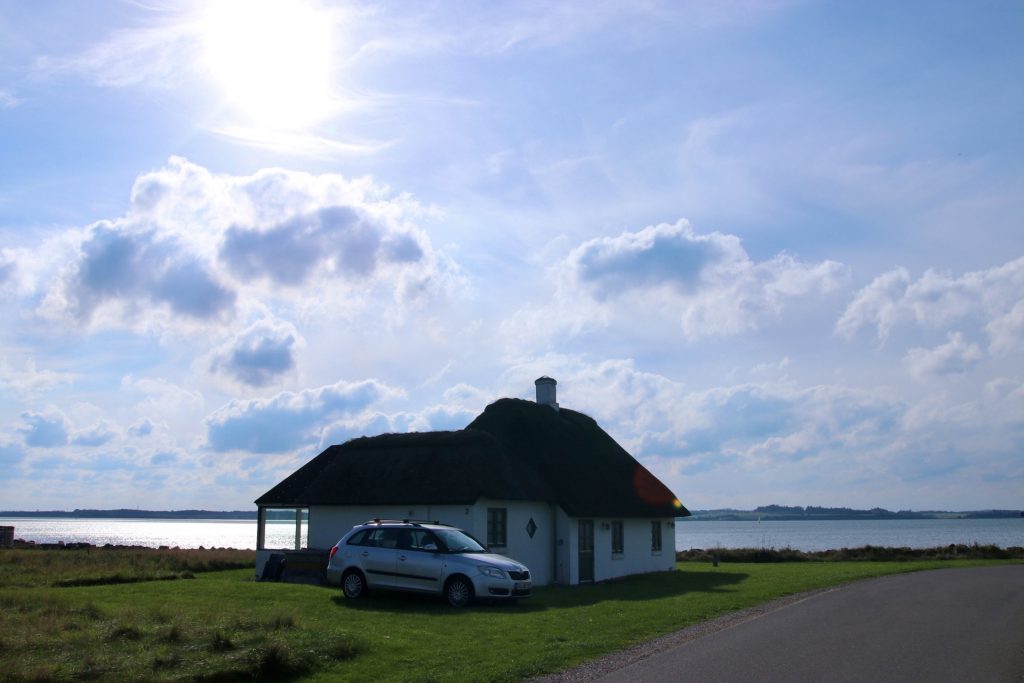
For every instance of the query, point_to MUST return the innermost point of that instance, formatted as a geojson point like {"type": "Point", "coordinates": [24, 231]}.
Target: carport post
{"type": "Point", "coordinates": [261, 523]}
{"type": "Point", "coordinates": [298, 528]}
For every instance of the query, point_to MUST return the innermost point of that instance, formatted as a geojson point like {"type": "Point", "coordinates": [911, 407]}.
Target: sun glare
{"type": "Point", "coordinates": [270, 59]}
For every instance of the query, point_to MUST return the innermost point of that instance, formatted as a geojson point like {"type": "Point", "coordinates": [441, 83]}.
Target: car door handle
{"type": "Point", "coordinates": [401, 558]}
{"type": "Point", "coordinates": [365, 553]}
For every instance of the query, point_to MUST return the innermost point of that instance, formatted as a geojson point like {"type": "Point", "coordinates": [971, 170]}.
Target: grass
{"type": "Point", "coordinates": [223, 626]}
{"type": "Point", "coordinates": [28, 566]}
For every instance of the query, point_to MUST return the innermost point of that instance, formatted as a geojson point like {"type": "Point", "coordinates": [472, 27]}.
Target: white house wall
{"type": "Point", "coordinates": [535, 552]}
{"type": "Point", "coordinates": [552, 554]}
{"type": "Point", "coordinates": [637, 556]}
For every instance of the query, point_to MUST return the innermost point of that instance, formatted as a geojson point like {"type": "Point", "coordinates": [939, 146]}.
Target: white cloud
{"type": "Point", "coordinates": [7, 267]}
{"type": "Point", "coordinates": [757, 441]}
{"type": "Point", "coordinates": [31, 380]}
{"type": "Point", "coordinates": [519, 27]}
{"type": "Point", "coordinates": [260, 354]}
{"type": "Point", "coordinates": [157, 396]}
{"type": "Point", "coordinates": [935, 300]}
{"type": "Point", "coordinates": [954, 357]}
{"type": "Point", "coordinates": [367, 424]}
{"type": "Point", "coordinates": [467, 396]}
{"type": "Point", "coordinates": [290, 420]}
{"type": "Point", "coordinates": [305, 144]}
{"type": "Point", "coordinates": [48, 429]}
{"type": "Point", "coordinates": [15, 272]}
{"type": "Point", "coordinates": [1006, 332]}
{"type": "Point", "coordinates": [130, 57]}
{"type": "Point", "coordinates": [340, 240]}
{"type": "Point", "coordinates": [708, 281]}
{"type": "Point", "coordinates": [437, 418]}
{"type": "Point", "coordinates": [461, 403]}
{"type": "Point", "coordinates": [142, 428]}
{"type": "Point", "coordinates": [98, 434]}
{"type": "Point", "coordinates": [140, 269]}
{"type": "Point", "coordinates": [876, 304]}
{"type": "Point", "coordinates": [198, 249]}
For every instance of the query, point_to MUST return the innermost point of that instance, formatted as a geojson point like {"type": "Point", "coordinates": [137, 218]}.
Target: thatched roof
{"type": "Point", "coordinates": [514, 450]}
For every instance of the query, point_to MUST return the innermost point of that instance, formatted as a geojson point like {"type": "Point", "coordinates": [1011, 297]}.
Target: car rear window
{"type": "Point", "coordinates": [359, 537]}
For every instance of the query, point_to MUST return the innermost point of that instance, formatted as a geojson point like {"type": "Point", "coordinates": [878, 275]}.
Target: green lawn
{"type": "Point", "coordinates": [223, 626]}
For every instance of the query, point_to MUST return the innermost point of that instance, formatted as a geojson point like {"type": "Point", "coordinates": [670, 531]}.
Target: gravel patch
{"type": "Point", "coordinates": [598, 668]}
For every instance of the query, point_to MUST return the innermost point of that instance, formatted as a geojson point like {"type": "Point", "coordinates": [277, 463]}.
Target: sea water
{"type": "Point", "coordinates": [810, 535]}
{"type": "Point", "coordinates": [799, 535]}
{"type": "Point", "coordinates": [153, 533]}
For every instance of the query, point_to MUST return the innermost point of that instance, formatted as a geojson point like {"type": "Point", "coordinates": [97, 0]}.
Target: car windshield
{"type": "Point", "coordinates": [455, 541]}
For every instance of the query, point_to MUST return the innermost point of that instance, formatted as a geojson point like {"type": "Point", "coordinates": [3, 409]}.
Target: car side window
{"type": "Point", "coordinates": [383, 538]}
{"type": "Point", "coordinates": [417, 539]}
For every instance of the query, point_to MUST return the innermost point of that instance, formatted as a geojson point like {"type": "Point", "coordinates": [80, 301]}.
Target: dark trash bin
{"type": "Point", "coordinates": [274, 568]}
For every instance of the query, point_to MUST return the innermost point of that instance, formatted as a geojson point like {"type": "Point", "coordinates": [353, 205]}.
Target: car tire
{"type": "Point", "coordinates": [459, 591]}
{"type": "Point", "coordinates": [353, 585]}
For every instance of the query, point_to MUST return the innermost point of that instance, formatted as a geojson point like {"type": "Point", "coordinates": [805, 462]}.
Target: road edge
{"type": "Point", "coordinates": [609, 663]}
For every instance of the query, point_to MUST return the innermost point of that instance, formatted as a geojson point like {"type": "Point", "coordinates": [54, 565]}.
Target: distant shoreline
{"type": "Point", "coordinates": [767, 513]}
{"type": "Point", "coordinates": [782, 513]}
{"type": "Point", "coordinates": [139, 514]}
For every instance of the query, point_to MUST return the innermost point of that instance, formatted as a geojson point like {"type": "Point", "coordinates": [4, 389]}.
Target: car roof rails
{"type": "Point", "coordinates": [414, 522]}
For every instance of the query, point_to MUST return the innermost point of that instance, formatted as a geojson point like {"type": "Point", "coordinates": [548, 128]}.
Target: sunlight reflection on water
{"type": "Point", "coordinates": [184, 533]}
{"type": "Point", "coordinates": [800, 535]}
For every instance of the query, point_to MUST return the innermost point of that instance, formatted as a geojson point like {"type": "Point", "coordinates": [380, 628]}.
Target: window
{"type": "Point", "coordinates": [497, 527]}
{"type": "Point", "coordinates": [617, 537]}
{"type": "Point", "coordinates": [417, 539]}
{"type": "Point", "coordinates": [359, 538]}
{"type": "Point", "coordinates": [656, 536]}
{"type": "Point", "coordinates": [383, 538]}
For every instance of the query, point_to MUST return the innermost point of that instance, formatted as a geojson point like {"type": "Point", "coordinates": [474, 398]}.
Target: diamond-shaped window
{"type": "Point", "coordinates": [531, 527]}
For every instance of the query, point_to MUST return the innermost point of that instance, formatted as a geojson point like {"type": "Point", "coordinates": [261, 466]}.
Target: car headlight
{"type": "Point", "coordinates": [493, 572]}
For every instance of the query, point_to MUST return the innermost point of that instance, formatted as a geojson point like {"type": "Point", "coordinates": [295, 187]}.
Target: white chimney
{"type": "Point", "coordinates": [546, 391]}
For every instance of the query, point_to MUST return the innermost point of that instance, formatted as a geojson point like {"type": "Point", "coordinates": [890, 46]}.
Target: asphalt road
{"type": "Point", "coordinates": [944, 625]}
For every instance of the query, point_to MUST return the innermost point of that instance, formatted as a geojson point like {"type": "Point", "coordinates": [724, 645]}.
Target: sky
{"type": "Point", "coordinates": [774, 248]}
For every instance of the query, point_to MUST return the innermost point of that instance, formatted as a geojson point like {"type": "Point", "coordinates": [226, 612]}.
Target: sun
{"type": "Point", "coordinates": [271, 60]}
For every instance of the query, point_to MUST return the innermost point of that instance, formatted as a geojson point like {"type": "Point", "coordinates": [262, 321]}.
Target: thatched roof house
{"type": "Point", "coordinates": [544, 484]}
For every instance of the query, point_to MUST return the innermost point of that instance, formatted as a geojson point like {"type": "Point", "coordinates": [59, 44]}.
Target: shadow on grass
{"type": "Point", "coordinates": [633, 588]}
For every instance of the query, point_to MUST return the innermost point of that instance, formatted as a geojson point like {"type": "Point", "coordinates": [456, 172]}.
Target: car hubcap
{"type": "Point", "coordinates": [353, 585]}
{"type": "Point", "coordinates": [458, 593]}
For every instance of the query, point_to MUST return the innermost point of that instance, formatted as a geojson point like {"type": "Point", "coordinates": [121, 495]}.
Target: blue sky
{"type": "Point", "coordinates": [774, 248]}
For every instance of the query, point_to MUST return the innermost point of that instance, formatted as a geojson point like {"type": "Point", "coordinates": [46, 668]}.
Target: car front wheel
{"type": "Point", "coordinates": [459, 592]}
{"type": "Point", "coordinates": [353, 584]}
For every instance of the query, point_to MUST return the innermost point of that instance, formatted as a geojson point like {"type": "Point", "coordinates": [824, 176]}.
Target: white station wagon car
{"type": "Point", "coordinates": [425, 557]}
